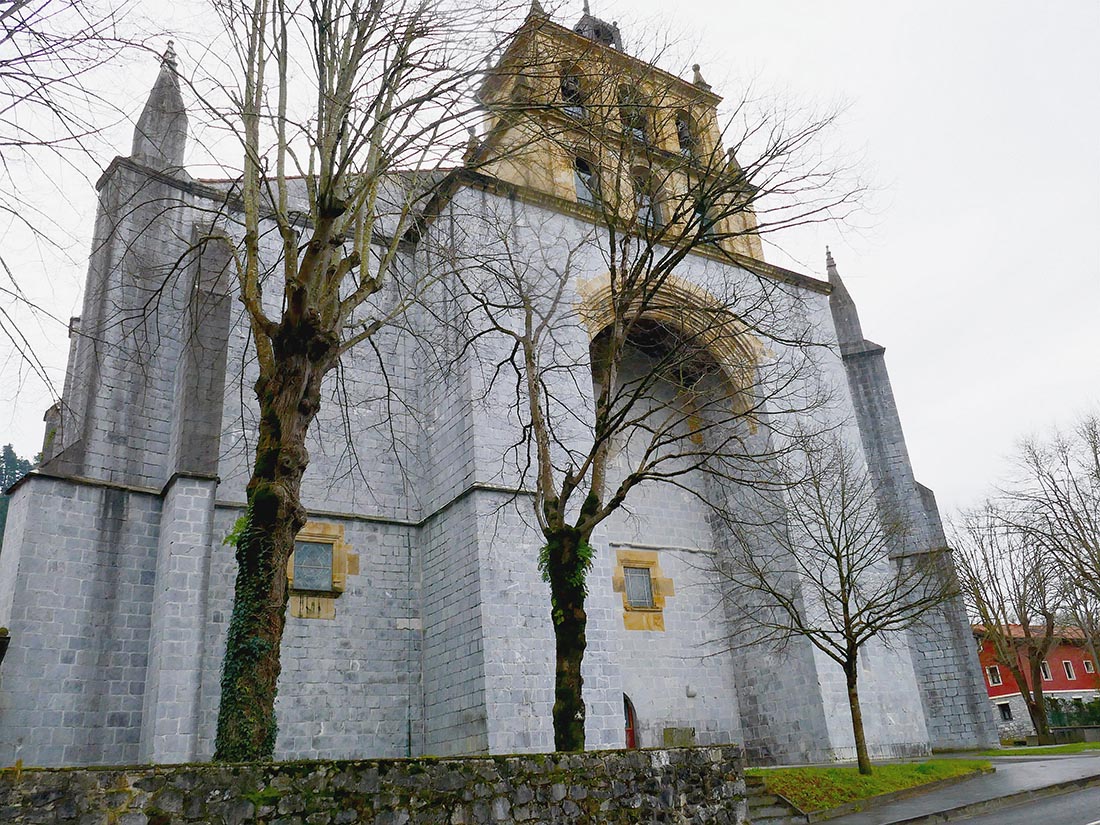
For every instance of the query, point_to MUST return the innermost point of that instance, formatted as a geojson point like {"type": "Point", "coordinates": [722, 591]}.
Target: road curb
{"type": "Point", "coordinates": [997, 803]}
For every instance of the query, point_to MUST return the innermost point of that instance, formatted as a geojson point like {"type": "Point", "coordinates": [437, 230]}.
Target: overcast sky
{"type": "Point", "coordinates": [977, 262]}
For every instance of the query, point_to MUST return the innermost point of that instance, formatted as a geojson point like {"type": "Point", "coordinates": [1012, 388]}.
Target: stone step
{"type": "Point", "coordinates": [769, 812]}
{"type": "Point", "coordinates": [776, 820]}
{"type": "Point", "coordinates": [763, 799]}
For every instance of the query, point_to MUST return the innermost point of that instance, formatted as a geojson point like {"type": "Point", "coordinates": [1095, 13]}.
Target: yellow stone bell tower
{"type": "Point", "coordinates": [572, 118]}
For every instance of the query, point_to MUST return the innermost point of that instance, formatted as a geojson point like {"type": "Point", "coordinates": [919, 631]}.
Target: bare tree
{"type": "Point", "coordinates": [50, 117]}
{"type": "Point", "coordinates": [349, 114]}
{"type": "Point", "coordinates": [815, 562]}
{"type": "Point", "coordinates": [678, 363]}
{"type": "Point", "coordinates": [1055, 501]}
{"type": "Point", "coordinates": [1013, 590]}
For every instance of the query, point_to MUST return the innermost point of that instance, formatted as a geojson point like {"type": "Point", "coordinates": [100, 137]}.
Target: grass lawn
{"type": "Point", "coordinates": [815, 789]}
{"type": "Point", "coordinates": [1043, 750]}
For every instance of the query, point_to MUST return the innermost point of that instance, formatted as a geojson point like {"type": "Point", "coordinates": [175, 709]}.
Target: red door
{"type": "Point", "coordinates": [631, 722]}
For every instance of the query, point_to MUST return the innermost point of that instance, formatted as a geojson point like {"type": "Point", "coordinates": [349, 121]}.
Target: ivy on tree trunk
{"type": "Point", "coordinates": [289, 398]}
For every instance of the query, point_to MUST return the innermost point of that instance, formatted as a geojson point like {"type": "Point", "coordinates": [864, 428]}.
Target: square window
{"type": "Point", "coordinates": [1006, 711]}
{"type": "Point", "coordinates": [639, 587]}
{"type": "Point", "coordinates": [313, 566]}
{"type": "Point", "coordinates": [994, 674]}
{"type": "Point", "coordinates": [1044, 668]}
{"type": "Point", "coordinates": [1089, 666]}
{"type": "Point", "coordinates": [1068, 668]}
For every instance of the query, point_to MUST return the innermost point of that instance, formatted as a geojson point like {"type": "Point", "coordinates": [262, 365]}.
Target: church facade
{"type": "Point", "coordinates": [419, 623]}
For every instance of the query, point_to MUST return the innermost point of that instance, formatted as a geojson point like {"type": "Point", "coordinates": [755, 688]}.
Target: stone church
{"type": "Point", "coordinates": [418, 622]}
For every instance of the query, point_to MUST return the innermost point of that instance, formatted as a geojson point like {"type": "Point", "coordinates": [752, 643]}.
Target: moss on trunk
{"type": "Point", "coordinates": [566, 561]}
{"type": "Point", "coordinates": [289, 399]}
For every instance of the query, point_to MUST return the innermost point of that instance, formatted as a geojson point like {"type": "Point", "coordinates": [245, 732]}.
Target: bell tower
{"type": "Point", "coordinates": [572, 116]}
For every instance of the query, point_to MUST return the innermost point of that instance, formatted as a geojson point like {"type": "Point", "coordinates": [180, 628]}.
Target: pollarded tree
{"type": "Point", "coordinates": [815, 561]}
{"type": "Point", "coordinates": [679, 362]}
{"type": "Point", "coordinates": [1014, 591]}
{"type": "Point", "coordinates": [348, 113]}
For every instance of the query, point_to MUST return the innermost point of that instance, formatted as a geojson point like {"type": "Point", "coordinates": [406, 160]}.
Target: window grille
{"type": "Point", "coordinates": [1006, 711]}
{"type": "Point", "coordinates": [639, 587]}
{"type": "Point", "coordinates": [313, 566]}
{"type": "Point", "coordinates": [994, 673]}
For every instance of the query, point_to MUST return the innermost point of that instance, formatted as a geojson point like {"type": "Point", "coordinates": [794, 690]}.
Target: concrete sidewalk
{"type": "Point", "coordinates": [1015, 774]}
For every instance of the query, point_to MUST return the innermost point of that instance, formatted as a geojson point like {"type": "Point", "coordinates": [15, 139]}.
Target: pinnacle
{"type": "Point", "coordinates": [160, 135]}
{"type": "Point", "coordinates": [845, 315]}
{"type": "Point", "coordinates": [697, 78]}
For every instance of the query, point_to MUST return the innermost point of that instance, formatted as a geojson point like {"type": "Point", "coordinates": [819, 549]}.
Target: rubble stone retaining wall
{"type": "Point", "coordinates": [683, 785]}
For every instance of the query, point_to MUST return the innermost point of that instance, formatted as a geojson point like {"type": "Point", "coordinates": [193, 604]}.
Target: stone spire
{"type": "Point", "coordinates": [845, 316]}
{"type": "Point", "coordinates": [161, 132]}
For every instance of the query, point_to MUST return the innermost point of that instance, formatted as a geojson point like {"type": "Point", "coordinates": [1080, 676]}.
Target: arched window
{"type": "Point", "coordinates": [632, 112]}
{"type": "Point", "coordinates": [587, 182]}
{"type": "Point", "coordinates": [704, 218]}
{"type": "Point", "coordinates": [646, 201]}
{"type": "Point", "coordinates": [686, 135]}
{"type": "Point", "coordinates": [572, 95]}
{"type": "Point", "coordinates": [631, 722]}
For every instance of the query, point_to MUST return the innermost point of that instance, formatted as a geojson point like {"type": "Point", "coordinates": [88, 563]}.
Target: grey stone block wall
{"type": "Point", "coordinates": [77, 595]}
{"type": "Point", "coordinates": [133, 326]}
{"type": "Point", "coordinates": [170, 711]}
{"type": "Point", "coordinates": [349, 685]}
{"type": "Point", "coordinates": [518, 634]}
{"type": "Point", "coordinates": [1019, 726]}
{"type": "Point", "coordinates": [455, 712]}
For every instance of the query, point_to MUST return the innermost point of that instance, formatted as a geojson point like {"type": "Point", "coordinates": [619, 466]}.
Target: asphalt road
{"type": "Point", "coordinates": [1073, 808]}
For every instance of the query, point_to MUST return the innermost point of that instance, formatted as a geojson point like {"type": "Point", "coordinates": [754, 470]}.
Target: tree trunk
{"type": "Point", "coordinates": [851, 675]}
{"type": "Point", "coordinates": [289, 399]}
{"type": "Point", "coordinates": [568, 559]}
{"type": "Point", "coordinates": [1037, 710]}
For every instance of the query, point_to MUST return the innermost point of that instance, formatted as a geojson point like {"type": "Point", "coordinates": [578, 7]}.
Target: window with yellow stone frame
{"type": "Point", "coordinates": [644, 588]}
{"type": "Point", "coordinates": [318, 569]}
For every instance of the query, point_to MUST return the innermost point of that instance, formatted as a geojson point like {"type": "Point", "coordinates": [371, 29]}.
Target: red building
{"type": "Point", "coordinates": [1068, 672]}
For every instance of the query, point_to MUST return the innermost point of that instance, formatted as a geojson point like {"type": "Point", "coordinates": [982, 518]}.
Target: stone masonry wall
{"type": "Point", "coordinates": [948, 675]}
{"type": "Point", "coordinates": [698, 785]}
{"type": "Point", "coordinates": [76, 588]}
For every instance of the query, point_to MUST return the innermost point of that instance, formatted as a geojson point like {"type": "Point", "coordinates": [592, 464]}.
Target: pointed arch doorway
{"type": "Point", "coordinates": [631, 723]}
